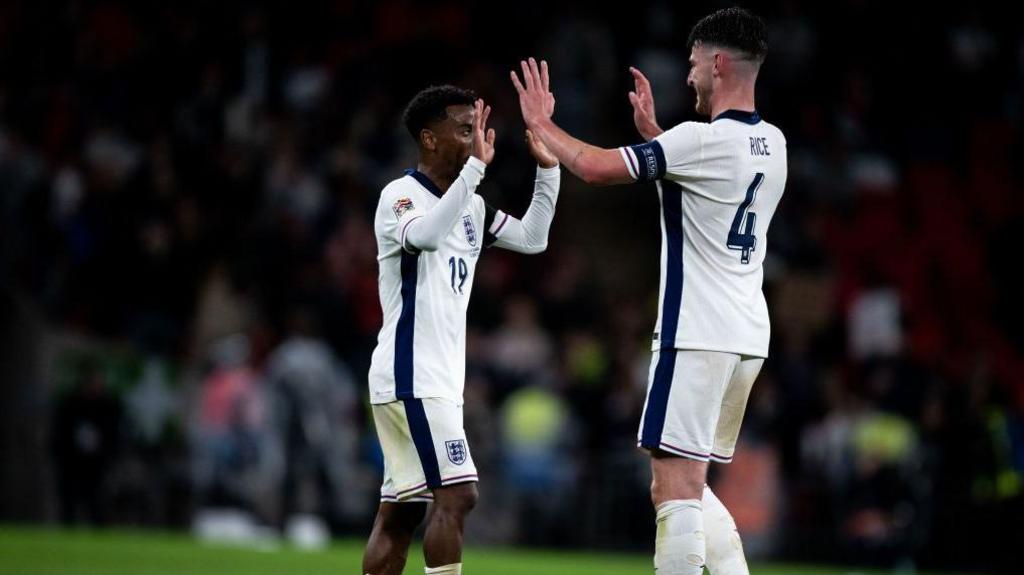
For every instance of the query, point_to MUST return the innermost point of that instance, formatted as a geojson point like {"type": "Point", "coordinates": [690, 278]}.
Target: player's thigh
{"type": "Point", "coordinates": [404, 476]}
{"type": "Point", "coordinates": [684, 401]}
{"type": "Point", "coordinates": [425, 447]}
{"type": "Point", "coordinates": [450, 445]}
{"type": "Point", "coordinates": [734, 405]}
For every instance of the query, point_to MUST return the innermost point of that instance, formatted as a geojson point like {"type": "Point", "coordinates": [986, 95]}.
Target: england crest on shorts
{"type": "Point", "coordinates": [456, 451]}
{"type": "Point", "coordinates": [467, 224]}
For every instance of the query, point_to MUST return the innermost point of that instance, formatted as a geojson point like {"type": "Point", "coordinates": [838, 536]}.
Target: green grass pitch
{"type": "Point", "coordinates": [41, 551]}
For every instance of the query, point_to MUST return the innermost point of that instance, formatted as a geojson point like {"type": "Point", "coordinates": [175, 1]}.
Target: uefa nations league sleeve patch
{"type": "Point", "coordinates": [401, 206]}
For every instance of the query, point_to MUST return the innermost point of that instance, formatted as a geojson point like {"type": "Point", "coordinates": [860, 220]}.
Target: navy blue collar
{"type": "Point", "coordinates": [745, 117]}
{"type": "Point", "coordinates": [425, 182]}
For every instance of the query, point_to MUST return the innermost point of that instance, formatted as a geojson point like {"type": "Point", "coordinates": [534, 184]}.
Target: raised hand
{"type": "Point", "coordinates": [540, 152]}
{"type": "Point", "coordinates": [545, 84]}
{"type": "Point", "coordinates": [643, 106]}
{"type": "Point", "coordinates": [536, 101]}
{"type": "Point", "coordinates": [483, 138]}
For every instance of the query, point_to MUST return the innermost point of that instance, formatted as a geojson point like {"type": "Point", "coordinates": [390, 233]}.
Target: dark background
{"type": "Point", "coordinates": [188, 295]}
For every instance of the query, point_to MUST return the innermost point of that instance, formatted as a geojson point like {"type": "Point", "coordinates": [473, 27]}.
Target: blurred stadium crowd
{"type": "Point", "coordinates": [188, 287]}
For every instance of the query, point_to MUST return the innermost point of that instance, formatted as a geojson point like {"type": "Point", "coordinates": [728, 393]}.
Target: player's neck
{"type": "Point", "coordinates": [733, 98]}
{"type": "Point", "coordinates": [443, 182]}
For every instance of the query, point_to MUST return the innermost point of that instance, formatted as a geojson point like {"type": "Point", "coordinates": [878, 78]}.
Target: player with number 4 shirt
{"type": "Point", "coordinates": [719, 184]}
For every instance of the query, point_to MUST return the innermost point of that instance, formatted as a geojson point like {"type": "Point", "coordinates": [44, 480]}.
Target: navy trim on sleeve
{"type": "Point", "coordinates": [651, 160]}
{"type": "Point", "coordinates": [489, 215]}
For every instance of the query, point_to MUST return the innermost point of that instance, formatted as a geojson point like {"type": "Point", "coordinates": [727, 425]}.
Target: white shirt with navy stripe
{"type": "Point", "coordinates": [719, 184]}
{"type": "Point", "coordinates": [421, 348]}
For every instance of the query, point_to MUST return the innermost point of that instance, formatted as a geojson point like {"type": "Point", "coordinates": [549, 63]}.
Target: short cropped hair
{"type": "Point", "coordinates": [431, 104]}
{"type": "Point", "coordinates": [735, 28]}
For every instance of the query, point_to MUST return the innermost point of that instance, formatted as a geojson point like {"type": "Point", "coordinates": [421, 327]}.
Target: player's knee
{"type": "Point", "coordinates": [694, 485]}
{"type": "Point", "coordinates": [662, 491]}
{"type": "Point", "coordinates": [467, 500]}
{"type": "Point", "coordinates": [402, 518]}
{"type": "Point", "coordinates": [675, 486]}
{"type": "Point", "coordinates": [457, 500]}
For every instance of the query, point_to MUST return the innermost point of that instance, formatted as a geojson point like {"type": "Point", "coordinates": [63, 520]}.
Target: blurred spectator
{"type": "Point", "coordinates": [237, 454]}
{"type": "Point", "coordinates": [538, 435]}
{"type": "Point", "coordinates": [315, 401]}
{"type": "Point", "coordinates": [87, 427]}
{"type": "Point", "coordinates": [521, 351]}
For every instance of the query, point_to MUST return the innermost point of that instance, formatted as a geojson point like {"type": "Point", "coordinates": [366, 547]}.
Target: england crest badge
{"type": "Point", "coordinates": [456, 451]}
{"type": "Point", "coordinates": [467, 224]}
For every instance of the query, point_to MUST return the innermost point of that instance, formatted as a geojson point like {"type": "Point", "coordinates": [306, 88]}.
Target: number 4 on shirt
{"type": "Point", "coordinates": [745, 241]}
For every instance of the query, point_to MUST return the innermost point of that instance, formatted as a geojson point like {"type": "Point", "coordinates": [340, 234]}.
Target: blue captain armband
{"type": "Point", "coordinates": [645, 162]}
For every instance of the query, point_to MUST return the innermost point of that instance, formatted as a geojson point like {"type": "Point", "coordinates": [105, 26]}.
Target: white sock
{"type": "Point", "coordinates": [453, 569]}
{"type": "Point", "coordinates": [724, 548]}
{"type": "Point", "coordinates": [679, 545]}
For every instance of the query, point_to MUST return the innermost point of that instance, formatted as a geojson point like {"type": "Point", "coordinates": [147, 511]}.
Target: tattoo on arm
{"type": "Point", "coordinates": [577, 157]}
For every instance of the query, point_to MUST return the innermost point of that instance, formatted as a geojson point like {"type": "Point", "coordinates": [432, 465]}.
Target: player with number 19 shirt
{"type": "Point", "coordinates": [431, 226]}
{"type": "Point", "coordinates": [429, 241]}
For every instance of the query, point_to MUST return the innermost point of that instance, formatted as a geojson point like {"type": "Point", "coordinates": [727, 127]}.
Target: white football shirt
{"type": "Point", "coordinates": [424, 295]}
{"type": "Point", "coordinates": [719, 184]}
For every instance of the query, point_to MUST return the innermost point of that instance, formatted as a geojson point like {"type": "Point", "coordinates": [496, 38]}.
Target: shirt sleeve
{"type": "Point", "coordinates": [400, 206]}
{"type": "Point", "coordinates": [676, 152]}
{"type": "Point", "coordinates": [529, 235]}
{"type": "Point", "coordinates": [495, 224]}
{"type": "Point", "coordinates": [490, 215]}
{"type": "Point", "coordinates": [426, 230]}
{"type": "Point", "coordinates": [683, 147]}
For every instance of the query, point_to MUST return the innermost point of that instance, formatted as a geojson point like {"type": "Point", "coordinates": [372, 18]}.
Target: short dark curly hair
{"type": "Point", "coordinates": [735, 28]}
{"type": "Point", "coordinates": [431, 104]}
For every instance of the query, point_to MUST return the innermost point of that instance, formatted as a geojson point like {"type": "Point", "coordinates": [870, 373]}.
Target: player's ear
{"type": "Point", "coordinates": [428, 140]}
{"type": "Point", "coordinates": [720, 62]}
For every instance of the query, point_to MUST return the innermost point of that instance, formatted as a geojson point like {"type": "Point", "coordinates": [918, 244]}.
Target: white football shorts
{"type": "Point", "coordinates": [424, 448]}
{"type": "Point", "coordinates": [695, 402]}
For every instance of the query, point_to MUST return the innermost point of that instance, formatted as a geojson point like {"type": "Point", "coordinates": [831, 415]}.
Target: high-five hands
{"type": "Point", "coordinates": [540, 152]}
{"type": "Point", "coordinates": [483, 137]}
{"type": "Point", "coordinates": [643, 106]}
{"type": "Point", "coordinates": [536, 101]}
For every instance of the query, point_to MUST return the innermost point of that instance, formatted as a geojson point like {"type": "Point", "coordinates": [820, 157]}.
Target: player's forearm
{"type": "Point", "coordinates": [560, 143]}
{"type": "Point", "coordinates": [538, 217]}
{"type": "Point", "coordinates": [530, 235]}
{"type": "Point", "coordinates": [426, 232]}
{"type": "Point", "coordinates": [593, 165]}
